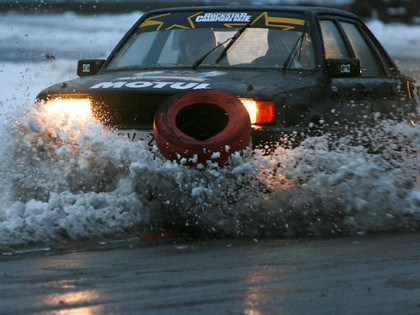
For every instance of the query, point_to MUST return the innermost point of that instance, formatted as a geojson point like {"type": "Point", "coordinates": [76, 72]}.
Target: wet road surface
{"type": "Point", "coordinates": [371, 274]}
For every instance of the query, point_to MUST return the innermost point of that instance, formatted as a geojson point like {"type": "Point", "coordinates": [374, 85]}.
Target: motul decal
{"type": "Point", "coordinates": [154, 85]}
{"type": "Point", "coordinates": [164, 76]}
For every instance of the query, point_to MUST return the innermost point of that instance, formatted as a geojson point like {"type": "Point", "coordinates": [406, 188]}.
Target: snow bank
{"type": "Point", "coordinates": [400, 40]}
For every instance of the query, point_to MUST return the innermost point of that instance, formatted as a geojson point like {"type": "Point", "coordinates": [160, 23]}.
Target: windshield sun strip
{"type": "Point", "coordinates": [278, 20]}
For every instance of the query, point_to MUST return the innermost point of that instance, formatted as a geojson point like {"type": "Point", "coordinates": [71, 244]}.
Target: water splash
{"type": "Point", "coordinates": [66, 180]}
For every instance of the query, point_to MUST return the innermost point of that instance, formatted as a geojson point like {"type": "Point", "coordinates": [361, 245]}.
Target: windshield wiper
{"type": "Point", "coordinates": [223, 54]}
{"type": "Point", "coordinates": [288, 59]}
{"type": "Point", "coordinates": [199, 61]}
{"type": "Point", "coordinates": [233, 40]}
{"type": "Point", "coordinates": [300, 38]}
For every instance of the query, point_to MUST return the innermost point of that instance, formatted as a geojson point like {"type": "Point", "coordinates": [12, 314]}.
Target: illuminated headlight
{"type": "Point", "coordinates": [259, 112]}
{"type": "Point", "coordinates": [71, 108]}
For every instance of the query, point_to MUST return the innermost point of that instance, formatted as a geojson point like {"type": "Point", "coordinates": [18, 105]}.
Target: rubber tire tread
{"type": "Point", "coordinates": [176, 145]}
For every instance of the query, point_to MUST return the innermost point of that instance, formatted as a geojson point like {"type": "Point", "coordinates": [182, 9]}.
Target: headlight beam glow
{"type": "Point", "coordinates": [73, 108]}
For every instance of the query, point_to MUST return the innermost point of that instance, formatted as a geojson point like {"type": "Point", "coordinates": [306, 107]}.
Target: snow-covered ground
{"type": "Point", "coordinates": [62, 180]}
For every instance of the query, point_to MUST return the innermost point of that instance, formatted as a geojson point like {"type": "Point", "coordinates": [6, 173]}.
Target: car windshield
{"type": "Point", "coordinates": [268, 41]}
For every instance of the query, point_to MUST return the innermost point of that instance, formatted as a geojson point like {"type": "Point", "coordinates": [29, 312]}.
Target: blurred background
{"type": "Point", "coordinates": [406, 11]}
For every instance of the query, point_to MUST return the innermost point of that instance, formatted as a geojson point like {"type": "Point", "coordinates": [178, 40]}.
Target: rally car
{"type": "Point", "coordinates": [202, 83]}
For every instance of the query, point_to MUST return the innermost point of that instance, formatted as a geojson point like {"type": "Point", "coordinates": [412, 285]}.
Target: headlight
{"type": "Point", "coordinates": [73, 108]}
{"type": "Point", "coordinates": [259, 112]}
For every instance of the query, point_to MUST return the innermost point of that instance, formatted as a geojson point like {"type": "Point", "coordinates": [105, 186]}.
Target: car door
{"type": "Point", "coordinates": [378, 88]}
{"type": "Point", "coordinates": [389, 89]}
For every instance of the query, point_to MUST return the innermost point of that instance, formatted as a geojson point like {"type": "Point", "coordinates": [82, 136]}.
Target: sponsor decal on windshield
{"type": "Point", "coordinates": [154, 85]}
{"type": "Point", "coordinates": [165, 75]}
{"type": "Point", "coordinates": [201, 19]}
{"type": "Point", "coordinates": [223, 17]}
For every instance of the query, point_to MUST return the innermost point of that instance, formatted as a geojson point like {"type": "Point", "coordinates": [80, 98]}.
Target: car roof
{"type": "Point", "coordinates": [298, 9]}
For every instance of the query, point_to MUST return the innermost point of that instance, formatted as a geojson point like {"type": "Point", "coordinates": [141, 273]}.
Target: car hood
{"type": "Point", "coordinates": [249, 83]}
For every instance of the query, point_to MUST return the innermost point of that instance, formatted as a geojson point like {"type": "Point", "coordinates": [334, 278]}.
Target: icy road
{"type": "Point", "coordinates": [373, 274]}
{"type": "Point", "coordinates": [76, 200]}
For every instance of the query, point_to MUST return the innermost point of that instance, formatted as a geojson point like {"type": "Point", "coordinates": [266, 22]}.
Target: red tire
{"type": "Point", "coordinates": [197, 126]}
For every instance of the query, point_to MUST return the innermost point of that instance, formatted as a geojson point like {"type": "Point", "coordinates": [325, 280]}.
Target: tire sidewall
{"type": "Point", "coordinates": [174, 144]}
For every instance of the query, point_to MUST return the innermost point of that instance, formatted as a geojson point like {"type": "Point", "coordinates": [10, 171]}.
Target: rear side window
{"type": "Point", "coordinates": [362, 50]}
{"type": "Point", "coordinates": [333, 42]}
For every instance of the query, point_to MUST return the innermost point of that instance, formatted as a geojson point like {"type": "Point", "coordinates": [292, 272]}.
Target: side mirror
{"type": "Point", "coordinates": [347, 67]}
{"type": "Point", "coordinates": [88, 67]}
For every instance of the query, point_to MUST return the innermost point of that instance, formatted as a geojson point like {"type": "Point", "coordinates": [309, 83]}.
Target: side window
{"type": "Point", "coordinates": [362, 50]}
{"type": "Point", "coordinates": [333, 42]}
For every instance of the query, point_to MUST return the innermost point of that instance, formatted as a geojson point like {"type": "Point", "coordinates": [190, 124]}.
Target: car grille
{"type": "Point", "coordinates": [126, 111]}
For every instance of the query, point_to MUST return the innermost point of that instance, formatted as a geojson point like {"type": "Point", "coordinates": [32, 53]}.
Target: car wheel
{"type": "Point", "coordinates": [199, 126]}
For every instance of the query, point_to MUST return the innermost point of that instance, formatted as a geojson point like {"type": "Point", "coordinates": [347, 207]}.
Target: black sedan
{"type": "Point", "coordinates": [201, 82]}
